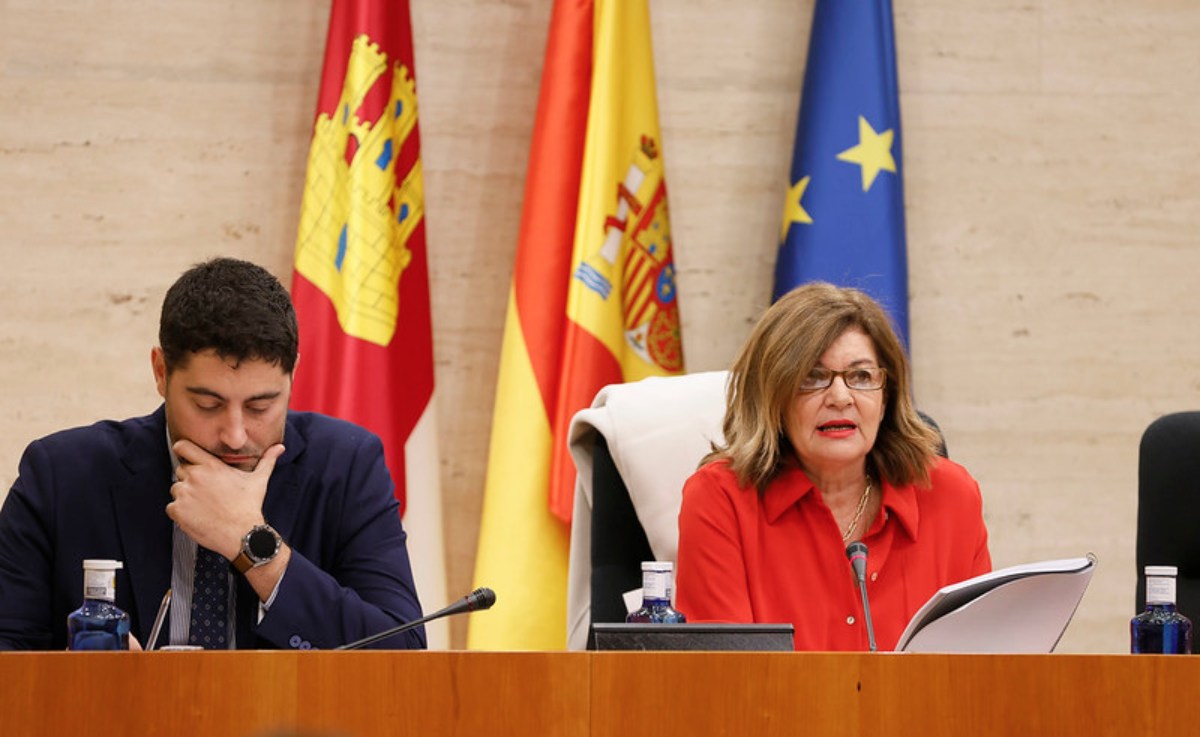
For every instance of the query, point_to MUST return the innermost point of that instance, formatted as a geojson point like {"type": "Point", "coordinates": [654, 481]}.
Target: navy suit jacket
{"type": "Point", "coordinates": [101, 492]}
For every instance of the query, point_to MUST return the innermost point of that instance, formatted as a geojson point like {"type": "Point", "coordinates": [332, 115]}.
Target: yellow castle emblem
{"type": "Point", "coordinates": [358, 213]}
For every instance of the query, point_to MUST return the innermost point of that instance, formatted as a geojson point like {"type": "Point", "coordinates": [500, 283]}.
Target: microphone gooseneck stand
{"type": "Point", "coordinates": [476, 601]}
{"type": "Point", "coordinates": [857, 553]}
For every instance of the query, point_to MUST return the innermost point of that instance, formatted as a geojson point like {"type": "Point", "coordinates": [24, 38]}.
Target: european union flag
{"type": "Point", "coordinates": [843, 220]}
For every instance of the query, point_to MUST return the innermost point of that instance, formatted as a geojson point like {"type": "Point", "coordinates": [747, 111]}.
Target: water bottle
{"type": "Point", "coordinates": [1160, 628]}
{"type": "Point", "coordinates": [99, 624]}
{"type": "Point", "coordinates": [657, 585]}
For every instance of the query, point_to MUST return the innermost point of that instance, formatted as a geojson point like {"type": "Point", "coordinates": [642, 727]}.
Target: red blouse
{"type": "Point", "coordinates": [779, 556]}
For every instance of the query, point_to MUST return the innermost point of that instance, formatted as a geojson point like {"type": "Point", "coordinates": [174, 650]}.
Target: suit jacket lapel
{"type": "Point", "coordinates": [144, 529]}
{"type": "Point", "coordinates": [285, 490]}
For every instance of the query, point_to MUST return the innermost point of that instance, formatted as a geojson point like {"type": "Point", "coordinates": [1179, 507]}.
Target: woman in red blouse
{"type": "Point", "coordinates": [823, 448]}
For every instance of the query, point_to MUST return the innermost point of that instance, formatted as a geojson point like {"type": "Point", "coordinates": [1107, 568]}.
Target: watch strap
{"type": "Point", "coordinates": [242, 562]}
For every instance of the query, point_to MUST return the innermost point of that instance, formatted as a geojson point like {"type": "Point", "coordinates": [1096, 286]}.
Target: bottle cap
{"type": "Point", "coordinates": [1162, 571]}
{"type": "Point", "coordinates": [657, 566]}
{"type": "Point", "coordinates": [99, 564]}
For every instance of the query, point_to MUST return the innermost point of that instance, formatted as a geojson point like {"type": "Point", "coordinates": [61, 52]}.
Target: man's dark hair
{"type": "Point", "coordinates": [235, 308]}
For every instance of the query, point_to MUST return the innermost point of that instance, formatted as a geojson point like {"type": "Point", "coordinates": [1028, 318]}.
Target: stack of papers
{"type": "Point", "coordinates": [1022, 609]}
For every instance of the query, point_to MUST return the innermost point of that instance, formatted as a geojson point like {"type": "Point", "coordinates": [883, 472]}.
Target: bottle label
{"type": "Point", "coordinates": [100, 584]}
{"type": "Point", "coordinates": [656, 585]}
{"type": "Point", "coordinates": [1160, 590]}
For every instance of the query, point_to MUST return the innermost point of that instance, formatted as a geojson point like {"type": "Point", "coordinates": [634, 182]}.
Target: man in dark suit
{"type": "Point", "coordinates": [285, 519]}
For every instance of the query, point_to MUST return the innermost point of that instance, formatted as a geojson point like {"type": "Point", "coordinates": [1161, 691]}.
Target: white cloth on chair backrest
{"type": "Point", "coordinates": [657, 431]}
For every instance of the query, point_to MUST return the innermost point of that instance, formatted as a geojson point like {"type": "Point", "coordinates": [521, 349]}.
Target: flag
{"type": "Point", "coordinates": [361, 283]}
{"type": "Point", "coordinates": [592, 303]}
{"type": "Point", "coordinates": [843, 217]}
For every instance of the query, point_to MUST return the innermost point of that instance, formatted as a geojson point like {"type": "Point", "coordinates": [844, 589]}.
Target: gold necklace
{"type": "Point", "coordinates": [858, 512]}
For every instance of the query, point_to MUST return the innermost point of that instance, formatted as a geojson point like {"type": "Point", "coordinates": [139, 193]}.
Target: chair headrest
{"type": "Point", "coordinates": [657, 430]}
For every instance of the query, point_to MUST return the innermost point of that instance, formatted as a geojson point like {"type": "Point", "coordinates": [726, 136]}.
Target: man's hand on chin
{"type": "Point", "coordinates": [214, 503]}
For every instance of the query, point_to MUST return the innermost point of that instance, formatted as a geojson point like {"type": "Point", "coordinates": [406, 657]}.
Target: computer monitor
{"type": "Point", "coordinates": [738, 637]}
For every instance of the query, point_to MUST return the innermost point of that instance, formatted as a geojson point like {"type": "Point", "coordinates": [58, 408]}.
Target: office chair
{"type": "Point", "coordinates": [1168, 521]}
{"type": "Point", "coordinates": [633, 450]}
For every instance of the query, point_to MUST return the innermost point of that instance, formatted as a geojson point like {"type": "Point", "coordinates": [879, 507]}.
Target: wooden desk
{"type": "Point", "coordinates": [894, 694]}
{"type": "Point", "coordinates": [361, 694]}
{"type": "Point", "coordinates": [255, 694]}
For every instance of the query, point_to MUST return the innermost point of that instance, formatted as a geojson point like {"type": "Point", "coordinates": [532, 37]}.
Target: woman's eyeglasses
{"type": "Point", "coordinates": [859, 379]}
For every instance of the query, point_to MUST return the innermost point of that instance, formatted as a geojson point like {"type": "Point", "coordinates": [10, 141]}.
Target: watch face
{"type": "Point", "coordinates": [263, 544]}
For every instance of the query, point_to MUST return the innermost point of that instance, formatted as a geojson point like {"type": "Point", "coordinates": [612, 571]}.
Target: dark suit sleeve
{"type": "Point", "coordinates": [25, 557]}
{"type": "Point", "coordinates": [364, 583]}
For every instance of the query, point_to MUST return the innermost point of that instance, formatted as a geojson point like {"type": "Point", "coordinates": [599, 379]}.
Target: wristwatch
{"type": "Point", "coordinates": [259, 547]}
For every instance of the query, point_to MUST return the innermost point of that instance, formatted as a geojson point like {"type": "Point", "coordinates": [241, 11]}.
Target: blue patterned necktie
{"type": "Point", "coordinates": [210, 601]}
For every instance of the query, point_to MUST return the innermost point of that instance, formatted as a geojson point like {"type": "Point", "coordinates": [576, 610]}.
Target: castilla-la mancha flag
{"type": "Point", "coordinates": [361, 283]}
{"type": "Point", "coordinates": [592, 303]}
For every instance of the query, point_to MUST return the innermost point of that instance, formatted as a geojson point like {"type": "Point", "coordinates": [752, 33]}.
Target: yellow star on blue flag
{"type": "Point", "coordinates": [873, 152]}
{"type": "Point", "coordinates": [793, 210]}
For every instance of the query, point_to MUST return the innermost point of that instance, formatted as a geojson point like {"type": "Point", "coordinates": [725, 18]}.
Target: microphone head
{"type": "Point", "coordinates": [856, 552]}
{"type": "Point", "coordinates": [480, 599]}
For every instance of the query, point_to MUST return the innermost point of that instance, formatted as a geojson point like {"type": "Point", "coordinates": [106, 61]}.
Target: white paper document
{"type": "Point", "coordinates": [1022, 609]}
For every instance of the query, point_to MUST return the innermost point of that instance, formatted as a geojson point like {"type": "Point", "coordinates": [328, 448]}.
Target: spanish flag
{"type": "Point", "coordinates": [361, 284]}
{"type": "Point", "coordinates": [843, 216]}
{"type": "Point", "coordinates": [592, 303]}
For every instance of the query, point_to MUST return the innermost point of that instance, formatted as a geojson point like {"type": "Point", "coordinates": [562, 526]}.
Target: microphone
{"type": "Point", "coordinates": [857, 553]}
{"type": "Point", "coordinates": [476, 601]}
